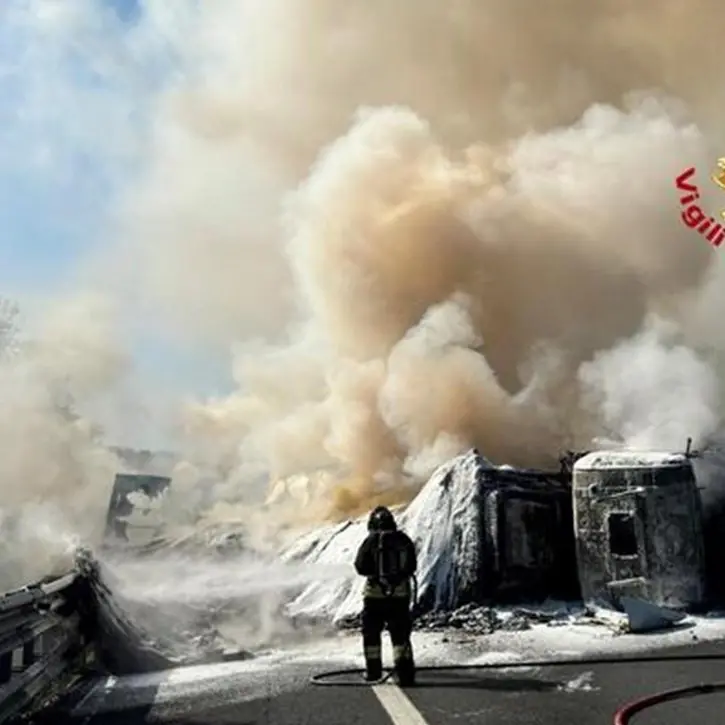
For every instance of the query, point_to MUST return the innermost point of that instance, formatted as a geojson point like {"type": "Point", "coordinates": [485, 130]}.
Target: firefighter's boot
{"type": "Point", "coordinates": [404, 665]}
{"type": "Point", "coordinates": [373, 664]}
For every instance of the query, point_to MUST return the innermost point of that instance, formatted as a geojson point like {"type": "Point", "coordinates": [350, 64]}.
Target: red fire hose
{"type": "Point", "coordinates": [624, 714]}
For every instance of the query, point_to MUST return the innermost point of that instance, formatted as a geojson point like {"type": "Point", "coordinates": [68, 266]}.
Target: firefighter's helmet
{"type": "Point", "coordinates": [381, 520]}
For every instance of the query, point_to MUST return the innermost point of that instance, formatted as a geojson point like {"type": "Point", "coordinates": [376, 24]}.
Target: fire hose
{"type": "Point", "coordinates": [623, 715]}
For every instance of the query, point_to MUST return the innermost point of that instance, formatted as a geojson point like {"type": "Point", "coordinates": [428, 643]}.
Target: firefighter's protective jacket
{"type": "Point", "coordinates": [394, 583]}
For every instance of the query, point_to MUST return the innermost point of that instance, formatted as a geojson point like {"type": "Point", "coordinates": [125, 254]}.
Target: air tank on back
{"type": "Point", "coordinates": [638, 528]}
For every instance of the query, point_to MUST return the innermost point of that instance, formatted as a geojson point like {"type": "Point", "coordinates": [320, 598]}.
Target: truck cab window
{"type": "Point", "coordinates": [622, 534]}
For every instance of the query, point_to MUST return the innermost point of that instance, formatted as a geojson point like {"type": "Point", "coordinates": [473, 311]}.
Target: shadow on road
{"type": "Point", "coordinates": [500, 684]}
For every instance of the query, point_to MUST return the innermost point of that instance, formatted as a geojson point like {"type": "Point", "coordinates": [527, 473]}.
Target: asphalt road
{"type": "Point", "coordinates": [242, 694]}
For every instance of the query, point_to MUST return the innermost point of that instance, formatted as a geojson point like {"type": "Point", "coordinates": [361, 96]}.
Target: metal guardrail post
{"type": "Point", "coordinates": [28, 654]}
{"type": "Point", "coordinates": [6, 667]}
{"type": "Point", "coordinates": [40, 644]}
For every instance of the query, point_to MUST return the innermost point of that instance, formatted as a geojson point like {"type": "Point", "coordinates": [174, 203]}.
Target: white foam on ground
{"type": "Point", "coordinates": [577, 639]}
{"type": "Point", "coordinates": [581, 683]}
{"type": "Point", "coordinates": [562, 640]}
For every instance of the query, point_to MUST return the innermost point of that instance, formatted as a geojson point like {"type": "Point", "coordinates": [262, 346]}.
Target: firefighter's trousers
{"type": "Point", "coordinates": [393, 612]}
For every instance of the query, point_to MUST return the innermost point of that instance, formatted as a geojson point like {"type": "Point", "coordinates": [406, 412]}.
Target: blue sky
{"type": "Point", "coordinates": [56, 179]}
{"type": "Point", "coordinates": [77, 78]}
{"type": "Point", "coordinates": [127, 10]}
{"type": "Point", "coordinates": [53, 192]}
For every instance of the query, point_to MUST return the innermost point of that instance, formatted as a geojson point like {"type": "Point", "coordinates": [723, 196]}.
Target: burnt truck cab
{"type": "Point", "coordinates": [638, 528]}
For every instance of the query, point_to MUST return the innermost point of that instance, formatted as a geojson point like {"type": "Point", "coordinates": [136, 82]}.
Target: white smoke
{"type": "Point", "coordinates": [654, 392]}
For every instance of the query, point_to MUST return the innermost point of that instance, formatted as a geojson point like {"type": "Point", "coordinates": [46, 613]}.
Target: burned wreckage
{"type": "Point", "coordinates": [607, 524]}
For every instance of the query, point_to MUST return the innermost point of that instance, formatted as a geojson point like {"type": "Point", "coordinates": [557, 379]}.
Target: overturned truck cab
{"type": "Point", "coordinates": [638, 528]}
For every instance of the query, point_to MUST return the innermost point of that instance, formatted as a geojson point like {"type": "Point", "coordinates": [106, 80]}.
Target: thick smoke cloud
{"type": "Point", "coordinates": [480, 246]}
{"type": "Point", "coordinates": [421, 226]}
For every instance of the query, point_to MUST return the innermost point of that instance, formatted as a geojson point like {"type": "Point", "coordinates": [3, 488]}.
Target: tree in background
{"type": "Point", "coordinates": [8, 327]}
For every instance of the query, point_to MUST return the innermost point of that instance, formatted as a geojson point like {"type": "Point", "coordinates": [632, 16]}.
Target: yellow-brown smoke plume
{"type": "Point", "coordinates": [447, 219]}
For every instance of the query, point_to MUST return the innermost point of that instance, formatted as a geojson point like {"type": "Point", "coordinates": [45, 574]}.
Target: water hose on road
{"type": "Point", "coordinates": [623, 715]}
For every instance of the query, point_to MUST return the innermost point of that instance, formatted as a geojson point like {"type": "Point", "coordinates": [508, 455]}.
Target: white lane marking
{"type": "Point", "coordinates": [398, 705]}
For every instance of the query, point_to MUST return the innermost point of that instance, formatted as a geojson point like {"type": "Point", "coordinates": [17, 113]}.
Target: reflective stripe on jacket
{"type": "Point", "coordinates": [374, 590]}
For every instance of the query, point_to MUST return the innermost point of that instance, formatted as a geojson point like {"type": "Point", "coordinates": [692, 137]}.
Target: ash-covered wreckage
{"type": "Point", "coordinates": [608, 524]}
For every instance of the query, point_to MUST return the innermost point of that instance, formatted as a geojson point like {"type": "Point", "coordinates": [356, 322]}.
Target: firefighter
{"type": "Point", "coordinates": [387, 559]}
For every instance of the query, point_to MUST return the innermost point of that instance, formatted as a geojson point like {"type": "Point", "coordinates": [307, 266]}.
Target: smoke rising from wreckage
{"type": "Point", "coordinates": [608, 524]}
